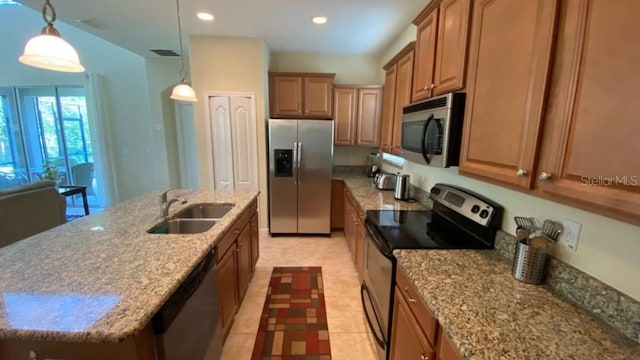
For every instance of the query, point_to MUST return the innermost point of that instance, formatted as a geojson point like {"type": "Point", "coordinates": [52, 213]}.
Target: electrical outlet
{"type": "Point", "coordinates": [570, 234]}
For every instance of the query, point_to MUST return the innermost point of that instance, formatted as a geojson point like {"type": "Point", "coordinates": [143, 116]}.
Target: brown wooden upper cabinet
{"type": "Point", "coordinates": [560, 127]}
{"type": "Point", "coordinates": [441, 48]}
{"type": "Point", "coordinates": [397, 94]}
{"type": "Point", "coordinates": [357, 113]}
{"type": "Point", "coordinates": [301, 95]}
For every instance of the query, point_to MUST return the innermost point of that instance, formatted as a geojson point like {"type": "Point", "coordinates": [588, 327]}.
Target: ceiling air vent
{"type": "Point", "coordinates": [162, 52]}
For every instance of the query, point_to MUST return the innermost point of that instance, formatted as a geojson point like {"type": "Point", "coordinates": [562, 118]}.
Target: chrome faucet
{"type": "Point", "coordinates": [165, 204]}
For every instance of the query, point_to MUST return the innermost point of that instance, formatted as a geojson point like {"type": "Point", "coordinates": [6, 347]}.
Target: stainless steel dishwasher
{"type": "Point", "coordinates": [188, 324]}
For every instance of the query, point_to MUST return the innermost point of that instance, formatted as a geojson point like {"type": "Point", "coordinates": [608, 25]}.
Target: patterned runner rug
{"type": "Point", "coordinates": [294, 320]}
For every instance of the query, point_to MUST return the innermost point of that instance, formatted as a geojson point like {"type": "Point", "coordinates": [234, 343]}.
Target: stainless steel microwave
{"type": "Point", "coordinates": [432, 130]}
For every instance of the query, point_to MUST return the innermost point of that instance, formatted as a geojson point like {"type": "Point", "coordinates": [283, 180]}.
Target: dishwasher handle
{"type": "Point", "coordinates": [163, 319]}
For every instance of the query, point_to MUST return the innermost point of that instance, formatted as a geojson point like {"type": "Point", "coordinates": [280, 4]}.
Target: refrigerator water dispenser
{"type": "Point", "coordinates": [283, 162]}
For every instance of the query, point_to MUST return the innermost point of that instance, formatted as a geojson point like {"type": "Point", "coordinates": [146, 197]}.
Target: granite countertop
{"type": "Point", "coordinates": [101, 278]}
{"type": "Point", "coordinates": [370, 198]}
{"type": "Point", "coordinates": [490, 315]}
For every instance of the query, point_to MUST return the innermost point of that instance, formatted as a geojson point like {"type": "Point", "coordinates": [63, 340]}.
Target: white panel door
{"type": "Point", "coordinates": [221, 139]}
{"type": "Point", "coordinates": [244, 142]}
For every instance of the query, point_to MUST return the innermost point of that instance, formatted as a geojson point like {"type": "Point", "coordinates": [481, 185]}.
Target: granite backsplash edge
{"type": "Point", "coordinates": [601, 300]}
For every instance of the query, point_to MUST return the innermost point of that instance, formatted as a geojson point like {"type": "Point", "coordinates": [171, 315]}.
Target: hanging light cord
{"type": "Point", "coordinates": [182, 73]}
{"type": "Point", "coordinates": [49, 29]}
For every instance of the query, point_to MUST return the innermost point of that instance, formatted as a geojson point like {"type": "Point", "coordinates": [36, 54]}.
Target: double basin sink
{"type": "Point", "coordinates": [193, 219]}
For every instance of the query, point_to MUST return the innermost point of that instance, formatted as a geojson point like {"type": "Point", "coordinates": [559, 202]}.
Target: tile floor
{"type": "Point", "coordinates": [348, 331]}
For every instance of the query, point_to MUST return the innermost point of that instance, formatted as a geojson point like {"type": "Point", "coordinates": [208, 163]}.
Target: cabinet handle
{"type": "Point", "coordinates": [33, 355]}
{"type": "Point", "coordinates": [411, 300]}
{"type": "Point", "coordinates": [521, 173]}
{"type": "Point", "coordinates": [544, 176]}
{"type": "Point", "coordinates": [424, 357]}
{"type": "Point", "coordinates": [425, 88]}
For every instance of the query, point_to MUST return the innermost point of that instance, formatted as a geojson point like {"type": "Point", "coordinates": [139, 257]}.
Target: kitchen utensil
{"type": "Point", "coordinates": [552, 229]}
{"type": "Point", "coordinates": [529, 223]}
{"type": "Point", "coordinates": [529, 260]}
{"type": "Point", "coordinates": [402, 187]}
{"type": "Point", "coordinates": [374, 165]}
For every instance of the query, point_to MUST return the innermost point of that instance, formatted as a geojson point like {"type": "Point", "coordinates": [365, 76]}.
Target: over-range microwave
{"type": "Point", "coordinates": [432, 130]}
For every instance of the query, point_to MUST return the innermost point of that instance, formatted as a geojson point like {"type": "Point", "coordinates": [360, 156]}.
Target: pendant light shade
{"type": "Point", "coordinates": [48, 50]}
{"type": "Point", "coordinates": [182, 91]}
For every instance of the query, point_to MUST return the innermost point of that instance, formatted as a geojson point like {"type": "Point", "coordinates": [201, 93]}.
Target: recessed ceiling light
{"type": "Point", "coordinates": [319, 20]}
{"type": "Point", "coordinates": [205, 16]}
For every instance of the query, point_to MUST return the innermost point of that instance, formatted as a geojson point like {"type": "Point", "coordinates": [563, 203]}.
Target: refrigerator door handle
{"type": "Point", "coordinates": [299, 153]}
{"type": "Point", "coordinates": [295, 163]}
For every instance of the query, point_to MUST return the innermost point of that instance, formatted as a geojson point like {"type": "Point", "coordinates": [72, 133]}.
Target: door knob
{"type": "Point", "coordinates": [544, 176]}
{"type": "Point", "coordinates": [521, 173]}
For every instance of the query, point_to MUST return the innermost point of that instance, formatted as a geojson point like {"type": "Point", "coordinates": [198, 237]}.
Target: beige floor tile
{"type": "Point", "coordinates": [345, 315]}
{"type": "Point", "coordinates": [238, 347]}
{"type": "Point", "coordinates": [352, 346]}
{"type": "Point", "coordinates": [340, 283]}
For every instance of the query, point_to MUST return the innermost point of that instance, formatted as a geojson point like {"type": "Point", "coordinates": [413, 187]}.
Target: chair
{"type": "Point", "coordinates": [82, 174]}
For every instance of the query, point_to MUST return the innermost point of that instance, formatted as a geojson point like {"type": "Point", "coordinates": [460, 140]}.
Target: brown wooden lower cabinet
{"type": "Point", "coordinates": [255, 241]}
{"type": "Point", "coordinates": [244, 260]}
{"type": "Point", "coordinates": [337, 204]}
{"type": "Point", "coordinates": [446, 350]}
{"type": "Point", "coordinates": [407, 339]}
{"type": "Point", "coordinates": [140, 347]}
{"type": "Point", "coordinates": [360, 244]}
{"type": "Point", "coordinates": [227, 279]}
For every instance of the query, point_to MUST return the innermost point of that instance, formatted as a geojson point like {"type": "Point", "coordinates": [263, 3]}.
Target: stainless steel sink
{"type": "Point", "coordinates": [182, 226]}
{"type": "Point", "coordinates": [204, 211]}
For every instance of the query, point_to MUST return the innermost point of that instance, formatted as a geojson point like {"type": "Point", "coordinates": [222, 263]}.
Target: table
{"type": "Point", "coordinates": [70, 190]}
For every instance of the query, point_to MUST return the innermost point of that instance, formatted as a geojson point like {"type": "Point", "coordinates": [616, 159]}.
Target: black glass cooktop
{"type": "Point", "coordinates": [402, 229]}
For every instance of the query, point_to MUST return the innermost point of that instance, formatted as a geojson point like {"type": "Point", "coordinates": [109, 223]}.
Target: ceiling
{"type": "Point", "coordinates": [354, 26]}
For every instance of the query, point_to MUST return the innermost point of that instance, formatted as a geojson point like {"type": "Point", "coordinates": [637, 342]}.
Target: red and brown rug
{"type": "Point", "coordinates": [294, 320]}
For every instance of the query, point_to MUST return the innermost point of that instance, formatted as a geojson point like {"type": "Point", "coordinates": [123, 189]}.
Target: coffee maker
{"type": "Point", "coordinates": [374, 164]}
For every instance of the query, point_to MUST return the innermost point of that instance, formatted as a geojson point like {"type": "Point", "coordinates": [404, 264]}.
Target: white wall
{"type": "Point", "coordinates": [229, 64]}
{"type": "Point", "coordinates": [126, 92]}
{"type": "Point", "coordinates": [608, 250]}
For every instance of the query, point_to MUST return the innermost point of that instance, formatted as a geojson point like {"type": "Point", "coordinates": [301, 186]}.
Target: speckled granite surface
{"type": "Point", "coordinates": [490, 315]}
{"type": "Point", "coordinates": [370, 198]}
{"type": "Point", "coordinates": [613, 307]}
{"type": "Point", "coordinates": [101, 278]}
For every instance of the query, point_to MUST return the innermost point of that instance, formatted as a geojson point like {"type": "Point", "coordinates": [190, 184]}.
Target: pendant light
{"type": "Point", "coordinates": [48, 50]}
{"type": "Point", "coordinates": [182, 91]}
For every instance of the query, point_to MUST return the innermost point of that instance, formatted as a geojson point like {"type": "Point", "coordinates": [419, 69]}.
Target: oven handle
{"type": "Point", "coordinates": [375, 239]}
{"type": "Point", "coordinates": [424, 136]}
{"type": "Point", "coordinates": [363, 289]}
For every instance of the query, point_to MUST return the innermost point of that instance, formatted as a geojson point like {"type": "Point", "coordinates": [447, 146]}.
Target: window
{"type": "Point", "coordinates": [40, 124]}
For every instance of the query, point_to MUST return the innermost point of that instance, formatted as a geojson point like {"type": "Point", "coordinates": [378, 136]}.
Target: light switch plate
{"type": "Point", "coordinates": [570, 234]}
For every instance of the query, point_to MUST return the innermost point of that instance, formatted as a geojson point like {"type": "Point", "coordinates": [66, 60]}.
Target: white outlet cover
{"type": "Point", "coordinates": [570, 234]}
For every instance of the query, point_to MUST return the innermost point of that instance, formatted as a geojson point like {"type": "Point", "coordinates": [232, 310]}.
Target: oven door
{"type": "Point", "coordinates": [376, 288]}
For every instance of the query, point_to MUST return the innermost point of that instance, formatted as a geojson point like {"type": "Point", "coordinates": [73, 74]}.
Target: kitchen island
{"type": "Point", "coordinates": [98, 281]}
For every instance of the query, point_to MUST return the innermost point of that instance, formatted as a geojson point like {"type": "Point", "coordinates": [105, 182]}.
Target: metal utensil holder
{"type": "Point", "coordinates": [529, 262]}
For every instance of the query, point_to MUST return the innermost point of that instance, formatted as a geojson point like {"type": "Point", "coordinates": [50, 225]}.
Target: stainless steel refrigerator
{"type": "Point", "coordinates": [300, 160]}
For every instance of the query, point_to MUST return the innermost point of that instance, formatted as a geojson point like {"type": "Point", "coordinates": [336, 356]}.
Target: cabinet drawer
{"type": "Point", "coordinates": [420, 310]}
{"type": "Point", "coordinates": [232, 234]}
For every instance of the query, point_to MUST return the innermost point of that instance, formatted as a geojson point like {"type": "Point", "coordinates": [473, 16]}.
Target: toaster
{"type": "Point", "coordinates": [385, 181]}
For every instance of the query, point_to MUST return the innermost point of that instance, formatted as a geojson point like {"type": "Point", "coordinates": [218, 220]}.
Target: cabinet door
{"type": "Point", "coordinates": [590, 148]}
{"type": "Point", "coordinates": [446, 349]}
{"type": "Point", "coordinates": [337, 204]}
{"type": "Point", "coordinates": [426, 37]}
{"type": "Point", "coordinates": [244, 259]}
{"type": "Point", "coordinates": [407, 339]}
{"type": "Point", "coordinates": [344, 115]}
{"type": "Point", "coordinates": [227, 279]}
{"type": "Point", "coordinates": [368, 118]}
{"type": "Point", "coordinates": [403, 98]}
{"type": "Point", "coordinates": [388, 109]}
{"type": "Point", "coordinates": [255, 241]}
{"type": "Point", "coordinates": [511, 43]}
{"type": "Point", "coordinates": [451, 53]}
{"type": "Point", "coordinates": [318, 97]}
{"type": "Point", "coordinates": [286, 96]}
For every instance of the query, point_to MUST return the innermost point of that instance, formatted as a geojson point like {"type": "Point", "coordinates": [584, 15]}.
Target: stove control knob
{"type": "Point", "coordinates": [484, 214]}
{"type": "Point", "coordinates": [435, 190]}
{"type": "Point", "coordinates": [475, 209]}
